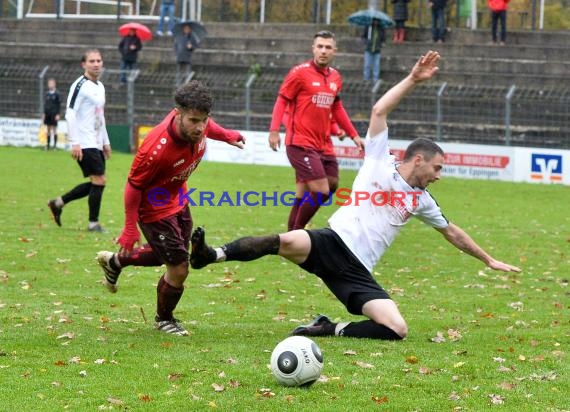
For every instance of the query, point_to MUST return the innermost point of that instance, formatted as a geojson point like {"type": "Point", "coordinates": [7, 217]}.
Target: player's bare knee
{"type": "Point", "coordinates": [402, 330]}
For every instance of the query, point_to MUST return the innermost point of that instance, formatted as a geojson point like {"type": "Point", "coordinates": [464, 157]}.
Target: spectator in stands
{"type": "Point", "coordinates": [169, 154]}
{"type": "Point", "coordinates": [184, 45]}
{"type": "Point", "coordinates": [344, 254]}
{"type": "Point", "coordinates": [373, 36]}
{"type": "Point", "coordinates": [167, 9]}
{"type": "Point", "coordinates": [400, 16]}
{"type": "Point", "coordinates": [90, 145]}
{"type": "Point", "coordinates": [499, 13]}
{"type": "Point", "coordinates": [129, 47]}
{"type": "Point", "coordinates": [310, 95]}
{"type": "Point", "coordinates": [438, 20]}
{"type": "Point", "coordinates": [52, 108]}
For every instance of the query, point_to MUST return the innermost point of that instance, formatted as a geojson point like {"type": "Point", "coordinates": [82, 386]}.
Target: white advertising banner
{"type": "Point", "coordinates": [26, 132]}
{"type": "Point", "coordinates": [468, 161]}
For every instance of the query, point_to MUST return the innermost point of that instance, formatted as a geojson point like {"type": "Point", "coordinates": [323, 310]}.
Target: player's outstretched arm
{"type": "Point", "coordinates": [424, 69]}
{"type": "Point", "coordinates": [462, 241]}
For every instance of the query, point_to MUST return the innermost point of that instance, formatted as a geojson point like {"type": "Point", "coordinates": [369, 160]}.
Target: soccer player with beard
{"type": "Point", "coordinates": [344, 254]}
{"type": "Point", "coordinates": [166, 159]}
{"type": "Point", "coordinates": [309, 99]}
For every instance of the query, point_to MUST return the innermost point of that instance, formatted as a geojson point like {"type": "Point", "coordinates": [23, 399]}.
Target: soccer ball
{"type": "Point", "coordinates": [296, 361]}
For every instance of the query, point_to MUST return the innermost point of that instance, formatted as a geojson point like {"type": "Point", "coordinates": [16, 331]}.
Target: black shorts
{"type": "Point", "coordinates": [49, 119]}
{"type": "Point", "coordinates": [93, 162]}
{"type": "Point", "coordinates": [341, 271]}
{"type": "Point", "coordinates": [170, 237]}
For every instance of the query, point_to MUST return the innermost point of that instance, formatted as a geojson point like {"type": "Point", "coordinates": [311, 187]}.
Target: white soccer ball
{"type": "Point", "coordinates": [296, 361]}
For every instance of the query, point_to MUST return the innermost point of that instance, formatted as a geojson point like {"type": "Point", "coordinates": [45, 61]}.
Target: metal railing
{"type": "Point", "coordinates": [516, 115]}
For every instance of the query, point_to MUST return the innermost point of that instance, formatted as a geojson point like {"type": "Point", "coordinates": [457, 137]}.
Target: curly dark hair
{"type": "Point", "coordinates": [194, 95]}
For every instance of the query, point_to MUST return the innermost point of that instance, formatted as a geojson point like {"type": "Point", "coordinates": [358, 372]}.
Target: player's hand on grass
{"type": "Point", "coordinates": [504, 267]}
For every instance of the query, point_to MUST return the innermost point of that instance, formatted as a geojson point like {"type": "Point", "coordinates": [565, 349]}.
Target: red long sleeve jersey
{"type": "Point", "coordinates": [311, 92]}
{"type": "Point", "coordinates": [164, 162]}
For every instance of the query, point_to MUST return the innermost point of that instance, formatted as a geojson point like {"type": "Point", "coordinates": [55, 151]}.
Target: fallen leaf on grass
{"type": "Point", "coordinates": [380, 399]}
{"type": "Point", "coordinates": [438, 338]}
{"type": "Point", "coordinates": [218, 387]}
{"type": "Point", "coordinates": [425, 370]}
{"type": "Point", "coordinates": [364, 365]}
{"type": "Point", "coordinates": [548, 376]}
{"type": "Point", "coordinates": [174, 376]}
{"type": "Point", "coordinates": [233, 383]}
{"type": "Point", "coordinates": [349, 352]}
{"type": "Point", "coordinates": [454, 396]}
{"type": "Point", "coordinates": [412, 359]}
{"type": "Point", "coordinates": [496, 399]}
{"type": "Point", "coordinates": [115, 401]}
{"type": "Point", "coordinates": [66, 335]}
{"type": "Point", "coordinates": [454, 335]}
{"type": "Point", "coordinates": [144, 397]}
{"type": "Point", "coordinates": [505, 369]}
{"type": "Point", "coordinates": [506, 385]}
{"type": "Point", "coordinates": [266, 392]}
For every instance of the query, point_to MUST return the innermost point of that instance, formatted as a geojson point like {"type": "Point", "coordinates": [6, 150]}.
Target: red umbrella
{"type": "Point", "coordinates": [141, 30]}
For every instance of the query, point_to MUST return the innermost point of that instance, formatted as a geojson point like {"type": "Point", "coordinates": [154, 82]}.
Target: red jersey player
{"type": "Point", "coordinates": [310, 95]}
{"type": "Point", "coordinates": [163, 163]}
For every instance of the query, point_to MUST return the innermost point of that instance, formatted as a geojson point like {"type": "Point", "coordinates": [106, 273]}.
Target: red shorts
{"type": "Point", "coordinates": [310, 164]}
{"type": "Point", "coordinates": [169, 238]}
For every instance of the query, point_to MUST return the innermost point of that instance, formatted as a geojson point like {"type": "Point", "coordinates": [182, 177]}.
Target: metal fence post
{"type": "Point", "coordinates": [248, 84]}
{"type": "Point", "coordinates": [508, 98]}
{"type": "Point", "coordinates": [438, 111]}
{"type": "Point", "coordinates": [132, 76]}
{"type": "Point", "coordinates": [41, 88]}
{"type": "Point", "coordinates": [374, 91]}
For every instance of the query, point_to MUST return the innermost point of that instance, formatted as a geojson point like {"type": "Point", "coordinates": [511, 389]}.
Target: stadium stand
{"type": "Point", "coordinates": [478, 77]}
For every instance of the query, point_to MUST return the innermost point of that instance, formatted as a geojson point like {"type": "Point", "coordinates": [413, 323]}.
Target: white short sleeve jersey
{"type": "Point", "coordinates": [85, 114]}
{"type": "Point", "coordinates": [369, 226]}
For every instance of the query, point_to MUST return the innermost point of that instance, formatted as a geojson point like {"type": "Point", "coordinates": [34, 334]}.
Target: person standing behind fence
{"type": "Point", "coordinates": [400, 16]}
{"type": "Point", "coordinates": [88, 137]}
{"type": "Point", "coordinates": [499, 13]}
{"type": "Point", "coordinates": [373, 37]}
{"type": "Point", "coordinates": [310, 96]}
{"type": "Point", "coordinates": [129, 48]}
{"type": "Point", "coordinates": [438, 20]}
{"type": "Point", "coordinates": [52, 108]}
{"type": "Point", "coordinates": [167, 9]}
{"type": "Point", "coordinates": [184, 45]}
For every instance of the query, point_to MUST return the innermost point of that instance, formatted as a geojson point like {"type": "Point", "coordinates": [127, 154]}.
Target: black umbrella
{"type": "Point", "coordinates": [198, 30]}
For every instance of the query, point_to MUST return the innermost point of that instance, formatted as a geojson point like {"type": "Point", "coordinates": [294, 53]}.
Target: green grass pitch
{"type": "Point", "coordinates": [479, 340]}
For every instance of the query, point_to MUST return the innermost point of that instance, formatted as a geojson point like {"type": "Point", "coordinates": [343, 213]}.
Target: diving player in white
{"type": "Point", "coordinates": [344, 255]}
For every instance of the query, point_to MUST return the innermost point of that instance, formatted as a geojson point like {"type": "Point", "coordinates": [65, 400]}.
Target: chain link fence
{"type": "Point", "coordinates": [483, 114]}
